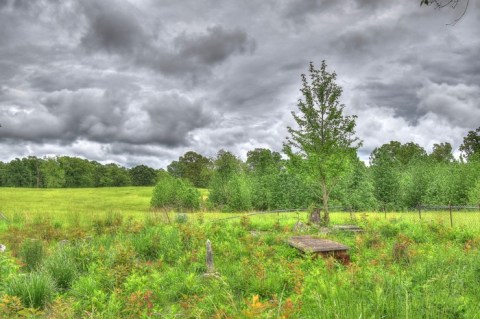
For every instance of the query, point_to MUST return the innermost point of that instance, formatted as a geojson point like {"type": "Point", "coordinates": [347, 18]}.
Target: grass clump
{"type": "Point", "coordinates": [62, 268]}
{"type": "Point", "coordinates": [35, 289]}
{"type": "Point", "coordinates": [32, 253]}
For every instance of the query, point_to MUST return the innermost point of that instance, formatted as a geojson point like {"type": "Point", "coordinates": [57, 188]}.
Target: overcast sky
{"type": "Point", "coordinates": [142, 82]}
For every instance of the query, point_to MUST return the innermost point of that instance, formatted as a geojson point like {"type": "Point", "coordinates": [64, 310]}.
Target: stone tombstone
{"type": "Point", "coordinates": [315, 216]}
{"type": "Point", "coordinates": [299, 227]}
{"type": "Point", "coordinates": [209, 258]}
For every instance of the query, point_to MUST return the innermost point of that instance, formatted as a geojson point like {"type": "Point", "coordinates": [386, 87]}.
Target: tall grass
{"type": "Point", "coordinates": [35, 289]}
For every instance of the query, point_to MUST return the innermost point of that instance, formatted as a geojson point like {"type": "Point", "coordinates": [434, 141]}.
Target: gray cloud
{"type": "Point", "coordinates": [114, 27]}
{"type": "Point", "coordinates": [215, 46]}
{"type": "Point", "coordinates": [105, 117]}
{"type": "Point", "coordinates": [145, 81]}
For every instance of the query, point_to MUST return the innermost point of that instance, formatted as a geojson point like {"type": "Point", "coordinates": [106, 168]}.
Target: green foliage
{"type": "Point", "coordinates": [78, 172]}
{"type": "Point", "coordinates": [388, 163]}
{"type": "Point", "coordinates": [17, 173]}
{"type": "Point", "coordinates": [263, 167]}
{"type": "Point", "coordinates": [7, 268]}
{"type": "Point", "coordinates": [193, 167]}
{"type": "Point", "coordinates": [111, 175]}
{"type": "Point", "coordinates": [142, 175]}
{"type": "Point", "coordinates": [32, 253]}
{"type": "Point", "coordinates": [474, 194]}
{"type": "Point", "coordinates": [415, 182]}
{"type": "Point", "coordinates": [174, 193]}
{"type": "Point", "coordinates": [358, 189]}
{"type": "Point", "coordinates": [35, 289]}
{"type": "Point", "coordinates": [230, 187]}
{"type": "Point", "coordinates": [53, 174]}
{"type": "Point", "coordinates": [67, 171]}
{"type": "Point", "coordinates": [471, 145]}
{"type": "Point", "coordinates": [442, 153]}
{"type": "Point", "coordinates": [61, 267]}
{"type": "Point", "coordinates": [324, 144]}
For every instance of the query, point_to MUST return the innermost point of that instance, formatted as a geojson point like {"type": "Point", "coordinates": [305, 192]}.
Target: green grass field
{"type": "Point", "coordinates": [101, 253]}
{"type": "Point", "coordinates": [85, 203]}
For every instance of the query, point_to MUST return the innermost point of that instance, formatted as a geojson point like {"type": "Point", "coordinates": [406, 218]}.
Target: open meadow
{"type": "Point", "coordinates": [102, 253]}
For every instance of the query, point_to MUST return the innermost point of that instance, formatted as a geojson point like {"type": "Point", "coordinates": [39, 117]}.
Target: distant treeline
{"type": "Point", "coordinates": [68, 171]}
{"type": "Point", "coordinates": [400, 176]}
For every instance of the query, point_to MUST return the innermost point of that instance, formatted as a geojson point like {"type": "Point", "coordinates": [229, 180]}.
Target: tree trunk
{"type": "Point", "coordinates": [326, 215]}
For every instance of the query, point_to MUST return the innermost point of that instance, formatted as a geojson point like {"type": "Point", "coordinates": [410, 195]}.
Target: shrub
{"type": "Point", "coordinates": [232, 194]}
{"type": "Point", "coordinates": [35, 289]}
{"type": "Point", "coordinates": [7, 267]}
{"type": "Point", "coordinates": [173, 193]}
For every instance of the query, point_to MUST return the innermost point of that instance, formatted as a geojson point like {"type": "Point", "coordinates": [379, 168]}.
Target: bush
{"type": "Point", "coordinates": [173, 193]}
{"type": "Point", "coordinates": [232, 194]}
{"type": "Point", "coordinates": [35, 289]}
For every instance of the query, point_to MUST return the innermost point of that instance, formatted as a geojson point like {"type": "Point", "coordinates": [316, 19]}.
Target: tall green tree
{"type": "Point", "coordinates": [142, 175]}
{"type": "Point", "coordinates": [359, 189]}
{"type": "Point", "coordinates": [263, 165]}
{"type": "Point", "coordinates": [78, 172]}
{"type": "Point", "coordinates": [18, 173]}
{"type": "Point", "coordinates": [230, 188]}
{"type": "Point", "coordinates": [324, 144]}
{"type": "Point", "coordinates": [442, 153]}
{"type": "Point", "coordinates": [194, 167]}
{"type": "Point", "coordinates": [471, 145]}
{"type": "Point", "coordinates": [111, 175]}
{"type": "Point", "coordinates": [53, 174]}
{"type": "Point", "coordinates": [384, 165]}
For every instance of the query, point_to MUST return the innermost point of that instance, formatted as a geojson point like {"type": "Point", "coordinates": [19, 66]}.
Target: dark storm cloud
{"type": "Point", "coordinates": [114, 27]}
{"type": "Point", "coordinates": [105, 117]}
{"type": "Point", "coordinates": [215, 46]}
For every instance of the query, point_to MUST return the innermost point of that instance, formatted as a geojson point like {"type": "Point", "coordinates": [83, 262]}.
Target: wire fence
{"type": "Point", "coordinates": [452, 215]}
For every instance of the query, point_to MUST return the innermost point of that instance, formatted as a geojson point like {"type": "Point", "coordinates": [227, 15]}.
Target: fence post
{"type": "Point", "coordinates": [384, 211]}
{"type": "Point", "coordinates": [451, 217]}
{"type": "Point", "coordinates": [351, 213]}
{"type": "Point", "coordinates": [420, 212]}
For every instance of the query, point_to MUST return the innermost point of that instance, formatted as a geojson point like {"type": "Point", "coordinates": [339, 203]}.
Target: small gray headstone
{"type": "Point", "coordinates": [299, 227]}
{"type": "Point", "coordinates": [209, 258]}
{"type": "Point", "coordinates": [64, 242]}
{"type": "Point", "coordinates": [315, 216]}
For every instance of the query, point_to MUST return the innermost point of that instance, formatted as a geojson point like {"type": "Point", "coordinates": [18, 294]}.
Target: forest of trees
{"type": "Point", "coordinates": [60, 172]}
